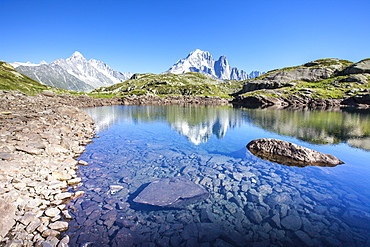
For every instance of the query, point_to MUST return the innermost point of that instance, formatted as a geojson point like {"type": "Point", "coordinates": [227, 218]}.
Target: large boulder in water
{"type": "Point", "coordinates": [176, 192]}
{"type": "Point", "coordinates": [287, 153]}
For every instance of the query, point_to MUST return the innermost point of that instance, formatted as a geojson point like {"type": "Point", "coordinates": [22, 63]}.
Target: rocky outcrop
{"type": "Point", "coordinates": [291, 102]}
{"type": "Point", "coordinates": [286, 78]}
{"type": "Point", "coordinates": [358, 100]}
{"type": "Point", "coordinates": [357, 68]}
{"type": "Point", "coordinates": [289, 153]}
{"type": "Point", "coordinates": [176, 192]}
{"type": "Point", "coordinates": [172, 100]}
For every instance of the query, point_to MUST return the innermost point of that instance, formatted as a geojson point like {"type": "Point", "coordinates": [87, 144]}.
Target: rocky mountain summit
{"type": "Point", "coordinates": [203, 62]}
{"type": "Point", "coordinates": [323, 82]}
{"type": "Point", "coordinates": [75, 73]}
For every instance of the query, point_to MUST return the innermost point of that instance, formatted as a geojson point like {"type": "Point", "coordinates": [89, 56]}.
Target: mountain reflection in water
{"type": "Point", "coordinates": [199, 123]}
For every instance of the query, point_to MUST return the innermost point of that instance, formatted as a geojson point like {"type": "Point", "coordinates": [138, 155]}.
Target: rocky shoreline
{"type": "Point", "coordinates": [40, 138]}
{"type": "Point", "coordinates": [296, 102]}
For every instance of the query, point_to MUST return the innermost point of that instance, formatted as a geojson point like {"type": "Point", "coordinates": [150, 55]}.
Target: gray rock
{"type": "Point", "coordinates": [304, 238]}
{"type": "Point", "coordinates": [234, 238]}
{"type": "Point", "coordinates": [175, 192]}
{"type": "Point", "coordinates": [7, 212]}
{"type": "Point", "coordinates": [287, 153]}
{"type": "Point", "coordinates": [6, 156]}
{"type": "Point", "coordinates": [208, 232]}
{"type": "Point", "coordinates": [60, 226]}
{"type": "Point", "coordinates": [123, 238]}
{"type": "Point", "coordinates": [282, 78]}
{"type": "Point", "coordinates": [207, 216]}
{"type": "Point", "coordinates": [254, 216]}
{"type": "Point", "coordinates": [359, 78]}
{"type": "Point", "coordinates": [358, 68]}
{"type": "Point", "coordinates": [52, 212]}
{"type": "Point", "coordinates": [291, 222]}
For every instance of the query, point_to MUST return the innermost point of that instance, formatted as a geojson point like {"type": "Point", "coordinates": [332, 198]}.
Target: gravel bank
{"type": "Point", "coordinates": [40, 137]}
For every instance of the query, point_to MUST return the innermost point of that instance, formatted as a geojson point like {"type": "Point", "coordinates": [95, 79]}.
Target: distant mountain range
{"type": "Point", "coordinates": [78, 74]}
{"type": "Point", "coordinates": [74, 73]}
{"type": "Point", "coordinates": [203, 62]}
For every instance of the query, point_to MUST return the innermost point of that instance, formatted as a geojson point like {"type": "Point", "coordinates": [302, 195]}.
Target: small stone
{"type": "Point", "coordinates": [82, 163]}
{"type": "Point", "coordinates": [15, 243]}
{"type": "Point", "coordinates": [238, 176]}
{"type": "Point", "coordinates": [291, 222]}
{"type": "Point", "coordinates": [115, 188]}
{"type": "Point", "coordinates": [63, 196]}
{"type": "Point", "coordinates": [67, 215]}
{"type": "Point", "coordinates": [304, 238]}
{"type": "Point", "coordinates": [29, 150]}
{"type": "Point", "coordinates": [52, 212]}
{"type": "Point", "coordinates": [6, 156]}
{"type": "Point", "coordinates": [19, 186]}
{"type": "Point", "coordinates": [50, 232]}
{"type": "Point", "coordinates": [64, 242]}
{"type": "Point", "coordinates": [78, 194]}
{"type": "Point", "coordinates": [60, 226]}
{"type": "Point", "coordinates": [63, 176]}
{"type": "Point", "coordinates": [255, 216]}
{"type": "Point", "coordinates": [33, 225]}
{"type": "Point", "coordinates": [74, 181]}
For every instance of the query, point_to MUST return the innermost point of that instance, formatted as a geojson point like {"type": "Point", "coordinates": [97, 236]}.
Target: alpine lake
{"type": "Point", "coordinates": [251, 201]}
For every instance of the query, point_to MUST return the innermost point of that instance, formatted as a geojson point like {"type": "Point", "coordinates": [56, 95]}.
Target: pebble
{"type": "Point", "coordinates": [52, 212]}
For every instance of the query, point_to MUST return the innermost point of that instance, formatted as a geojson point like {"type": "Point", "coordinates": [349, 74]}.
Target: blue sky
{"type": "Point", "coordinates": [150, 36]}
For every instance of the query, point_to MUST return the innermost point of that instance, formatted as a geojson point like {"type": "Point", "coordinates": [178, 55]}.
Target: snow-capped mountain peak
{"type": "Point", "coordinates": [76, 56]}
{"type": "Point", "coordinates": [75, 72]}
{"type": "Point", "coordinates": [203, 62]}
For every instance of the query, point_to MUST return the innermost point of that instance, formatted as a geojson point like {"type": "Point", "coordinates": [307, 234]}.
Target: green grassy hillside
{"type": "Point", "coordinates": [338, 85]}
{"type": "Point", "coordinates": [189, 84]}
{"type": "Point", "coordinates": [10, 79]}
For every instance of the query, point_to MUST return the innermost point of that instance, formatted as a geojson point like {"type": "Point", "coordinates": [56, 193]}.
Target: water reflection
{"type": "Point", "coordinates": [318, 127]}
{"type": "Point", "coordinates": [197, 123]}
{"type": "Point", "coordinates": [286, 160]}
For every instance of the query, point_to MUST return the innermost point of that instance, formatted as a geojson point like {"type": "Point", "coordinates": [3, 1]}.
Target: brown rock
{"type": "Point", "coordinates": [287, 153]}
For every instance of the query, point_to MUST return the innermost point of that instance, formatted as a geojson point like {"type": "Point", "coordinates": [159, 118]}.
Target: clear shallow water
{"type": "Point", "coordinates": [252, 202]}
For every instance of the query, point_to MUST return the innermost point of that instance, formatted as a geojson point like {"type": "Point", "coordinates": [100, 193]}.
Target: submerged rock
{"type": "Point", "coordinates": [176, 192]}
{"type": "Point", "coordinates": [290, 154]}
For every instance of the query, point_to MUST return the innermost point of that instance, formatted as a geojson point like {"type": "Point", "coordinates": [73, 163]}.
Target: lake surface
{"type": "Point", "coordinates": [252, 202]}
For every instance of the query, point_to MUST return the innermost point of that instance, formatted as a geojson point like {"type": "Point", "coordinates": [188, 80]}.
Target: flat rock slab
{"type": "Point", "coordinates": [290, 154]}
{"type": "Point", "coordinates": [7, 213]}
{"type": "Point", "coordinates": [177, 192]}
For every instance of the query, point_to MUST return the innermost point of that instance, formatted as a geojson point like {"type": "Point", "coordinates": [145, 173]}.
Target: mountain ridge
{"type": "Point", "coordinates": [74, 73]}
{"type": "Point", "coordinates": [203, 62]}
